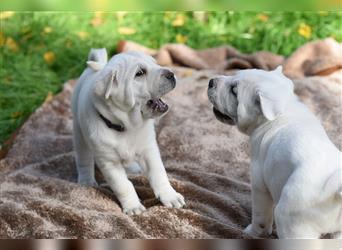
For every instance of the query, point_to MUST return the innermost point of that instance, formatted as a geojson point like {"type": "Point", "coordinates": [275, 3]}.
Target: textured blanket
{"type": "Point", "coordinates": [206, 161]}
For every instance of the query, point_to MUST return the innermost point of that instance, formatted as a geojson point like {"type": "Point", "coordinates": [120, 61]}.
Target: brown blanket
{"type": "Point", "coordinates": [206, 160]}
{"type": "Point", "coordinates": [320, 57]}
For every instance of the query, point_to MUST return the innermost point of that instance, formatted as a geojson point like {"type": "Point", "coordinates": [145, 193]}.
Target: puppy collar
{"type": "Point", "coordinates": [111, 125]}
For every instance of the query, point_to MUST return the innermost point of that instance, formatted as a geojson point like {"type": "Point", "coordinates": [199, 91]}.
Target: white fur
{"type": "Point", "coordinates": [296, 171]}
{"type": "Point", "coordinates": [112, 89]}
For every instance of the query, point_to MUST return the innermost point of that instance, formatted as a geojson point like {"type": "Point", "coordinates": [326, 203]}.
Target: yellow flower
{"type": "Point", "coordinates": [304, 30]}
{"type": "Point", "coordinates": [2, 39]}
{"type": "Point", "coordinates": [181, 39]}
{"type": "Point", "coordinates": [126, 31]}
{"type": "Point", "coordinates": [48, 97]}
{"type": "Point", "coordinates": [263, 17]}
{"type": "Point", "coordinates": [82, 34]}
{"type": "Point", "coordinates": [12, 44]}
{"type": "Point", "coordinates": [6, 14]}
{"type": "Point", "coordinates": [179, 20]}
{"type": "Point", "coordinates": [97, 19]}
{"type": "Point", "coordinates": [49, 57]}
{"type": "Point", "coordinates": [47, 30]}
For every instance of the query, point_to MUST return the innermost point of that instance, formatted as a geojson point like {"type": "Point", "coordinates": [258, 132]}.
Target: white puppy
{"type": "Point", "coordinates": [113, 105]}
{"type": "Point", "coordinates": [295, 168]}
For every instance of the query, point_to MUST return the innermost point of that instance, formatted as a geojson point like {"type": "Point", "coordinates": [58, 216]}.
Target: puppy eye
{"type": "Point", "coordinates": [233, 89]}
{"type": "Point", "coordinates": [140, 72]}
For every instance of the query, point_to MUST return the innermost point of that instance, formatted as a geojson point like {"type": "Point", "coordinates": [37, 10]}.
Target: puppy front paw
{"type": "Point", "coordinates": [170, 198]}
{"type": "Point", "coordinates": [134, 209]}
{"type": "Point", "coordinates": [249, 230]}
{"type": "Point", "coordinates": [257, 232]}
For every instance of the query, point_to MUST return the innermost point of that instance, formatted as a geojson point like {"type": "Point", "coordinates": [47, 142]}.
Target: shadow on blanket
{"type": "Point", "coordinates": [207, 162]}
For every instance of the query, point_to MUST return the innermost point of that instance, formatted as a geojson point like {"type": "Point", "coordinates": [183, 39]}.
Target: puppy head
{"type": "Point", "coordinates": [250, 97]}
{"type": "Point", "coordinates": [133, 79]}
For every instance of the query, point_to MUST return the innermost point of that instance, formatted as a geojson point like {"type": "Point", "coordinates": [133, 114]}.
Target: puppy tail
{"type": "Point", "coordinates": [97, 59]}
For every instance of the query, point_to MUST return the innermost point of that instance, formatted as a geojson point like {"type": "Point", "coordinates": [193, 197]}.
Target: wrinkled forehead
{"type": "Point", "coordinates": [258, 78]}
{"type": "Point", "coordinates": [141, 56]}
{"type": "Point", "coordinates": [253, 76]}
{"type": "Point", "coordinates": [129, 61]}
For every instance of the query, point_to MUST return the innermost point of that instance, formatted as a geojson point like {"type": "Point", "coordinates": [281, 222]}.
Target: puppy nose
{"type": "Point", "coordinates": [211, 83]}
{"type": "Point", "coordinates": [169, 75]}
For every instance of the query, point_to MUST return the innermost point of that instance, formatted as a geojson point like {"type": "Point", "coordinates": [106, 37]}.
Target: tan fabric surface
{"type": "Point", "coordinates": [206, 161]}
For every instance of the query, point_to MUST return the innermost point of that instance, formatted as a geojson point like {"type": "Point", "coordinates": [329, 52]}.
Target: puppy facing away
{"type": "Point", "coordinates": [113, 106]}
{"type": "Point", "coordinates": [296, 171]}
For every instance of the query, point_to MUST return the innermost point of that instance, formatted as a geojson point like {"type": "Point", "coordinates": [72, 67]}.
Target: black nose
{"type": "Point", "coordinates": [211, 83]}
{"type": "Point", "coordinates": [169, 75]}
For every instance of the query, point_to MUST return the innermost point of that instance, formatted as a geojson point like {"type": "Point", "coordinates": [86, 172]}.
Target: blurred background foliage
{"type": "Point", "coordinates": [132, 5]}
{"type": "Point", "coordinates": [41, 50]}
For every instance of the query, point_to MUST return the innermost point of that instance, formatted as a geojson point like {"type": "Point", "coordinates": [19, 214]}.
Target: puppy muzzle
{"type": "Point", "coordinates": [223, 117]}
{"type": "Point", "coordinates": [156, 105]}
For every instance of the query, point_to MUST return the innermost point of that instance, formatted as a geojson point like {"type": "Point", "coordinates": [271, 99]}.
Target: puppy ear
{"type": "Point", "coordinates": [271, 105]}
{"type": "Point", "coordinates": [110, 85]}
{"type": "Point", "coordinates": [104, 86]}
{"type": "Point", "coordinates": [120, 87]}
{"type": "Point", "coordinates": [117, 85]}
{"type": "Point", "coordinates": [274, 97]}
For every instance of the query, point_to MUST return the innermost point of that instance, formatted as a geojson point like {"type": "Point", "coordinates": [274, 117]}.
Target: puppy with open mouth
{"type": "Point", "coordinates": [296, 171]}
{"type": "Point", "coordinates": [113, 107]}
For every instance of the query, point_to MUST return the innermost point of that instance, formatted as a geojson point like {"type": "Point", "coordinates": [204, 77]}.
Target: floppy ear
{"type": "Point", "coordinates": [110, 84]}
{"type": "Point", "coordinates": [116, 85]}
{"type": "Point", "coordinates": [104, 86]}
{"type": "Point", "coordinates": [271, 105]}
{"type": "Point", "coordinates": [273, 100]}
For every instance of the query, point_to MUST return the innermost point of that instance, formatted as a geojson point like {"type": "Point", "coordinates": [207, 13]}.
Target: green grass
{"type": "Point", "coordinates": [26, 78]}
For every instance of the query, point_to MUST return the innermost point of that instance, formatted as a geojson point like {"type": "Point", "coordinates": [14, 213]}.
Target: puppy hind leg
{"type": "Point", "coordinates": [84, 159]}
{"type": "Point", "coordinates": [262, 214]}
{"type": "Point", "coordinates": [293, 224]}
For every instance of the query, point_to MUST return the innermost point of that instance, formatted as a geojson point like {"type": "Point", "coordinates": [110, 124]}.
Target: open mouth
{"type": "Point", "coordinates": [157, 105]}
{"type": "Point", "coordinates": [223, 118]}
